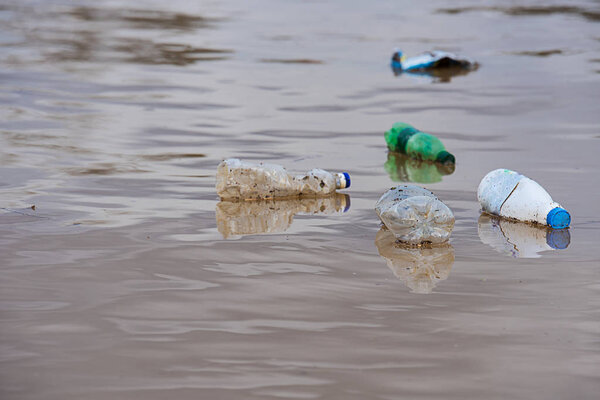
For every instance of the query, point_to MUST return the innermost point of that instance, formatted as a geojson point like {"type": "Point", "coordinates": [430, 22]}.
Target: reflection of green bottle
{"type": "Point", "coordinates": [401, 168]}
{"type": "Point", "coordinates": [403, 138]}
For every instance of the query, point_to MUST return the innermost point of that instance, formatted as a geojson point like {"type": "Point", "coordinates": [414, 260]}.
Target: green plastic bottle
{"type": "Point", "coordinates": [405, 139]}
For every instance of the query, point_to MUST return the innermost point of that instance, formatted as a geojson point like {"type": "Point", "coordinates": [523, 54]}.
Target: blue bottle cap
{"type": "Point", "coordinates": [558, 238]}
{"type": "Point", "coordinates": [347, 176]}
{"type": "Point", "coordinates": [558, 218]}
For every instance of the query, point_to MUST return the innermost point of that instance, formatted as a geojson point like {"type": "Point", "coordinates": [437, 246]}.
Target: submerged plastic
{"type": "Point", "coordinates": [415, 215]}
{"type": "Point", "coordinates": [273, 216]}
{"type": "Point", "coordinates": [519, 239]}
{"type": "Point", "coordinates": [509, 194]}
{"type": "Point", "coordinates": [238, 180]}
{"type": "Point", "coordinates": [420, 268]}
{"type": "Point", "coordinates": [405, 139]}
{"type": "Point", "coordinates": [430, 60]}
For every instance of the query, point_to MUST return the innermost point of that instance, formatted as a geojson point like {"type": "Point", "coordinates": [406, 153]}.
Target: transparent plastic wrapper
{"type": "Point", "coordinates": [415, 215]}
{"type": "Point", "coordinates": [420, 268]}
{"type": "Point", "coordinates": [273, 216]}
{"type": "Point", "coordinates": [519, 239]}
{"type": "Point", "coordinates": [508, 194]}
{"type": "Point", "coordinates": [242, 180]}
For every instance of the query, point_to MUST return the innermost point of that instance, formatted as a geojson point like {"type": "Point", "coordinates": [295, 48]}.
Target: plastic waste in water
{"type": "Point", "coordinates": [404, 138]}
{"type": "Point", "coordinates": [519, 239]}
{"type": "Point", "coordinates": [430, 60]}
{"type": "Point", "coordinates": [509, 194]}
{"type": "Point", "coordinates": [273, 216]}
{"type": "Point", "coordinates": [420, 268]}
{"type": "Point", "coordinates": [402, 168]}
{"type": "Point", "coordinates": [415, 215]}
{"type": "Point", "coordinates": [238, 180]}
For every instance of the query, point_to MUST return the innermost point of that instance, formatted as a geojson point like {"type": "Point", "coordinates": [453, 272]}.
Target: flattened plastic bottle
{"type": "Point", "coordinates": [430, 60]}
{"type": "Point", "coordinates": [415, 215]}
{"type": "Point", "coordinates": [242, 180]}
{"type": "Point", "coordinates": [273, 216]}
{"type": "Point", "coordinates": [509, 194]}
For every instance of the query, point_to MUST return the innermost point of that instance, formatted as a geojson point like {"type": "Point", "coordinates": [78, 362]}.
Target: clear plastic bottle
{"type": "Point", "coordinates": [237, 180]}
{"type": "Point", "coordinates": [415, 215]}
{"type": "Point", "coordinates": [236, 218]}
{"type": "Point", "coordinates": [420, 268]}
{"type": "Point", "coordinates": [520, 240]}
{"type": "Point", "coordinates": [509, 194]}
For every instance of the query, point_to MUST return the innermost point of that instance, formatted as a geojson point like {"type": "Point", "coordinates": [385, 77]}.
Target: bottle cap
{"type": "Point", "coordinates": [558, 238]}
{"type": "Point", "coordinates": [558, 218]}
{"type": "Point", "coordinates": [343, 180]}
{"type": "Point", "coordinates": [445, 158]}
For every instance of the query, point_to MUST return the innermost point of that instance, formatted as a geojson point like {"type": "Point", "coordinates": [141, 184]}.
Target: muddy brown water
{"type": "Point", "coordinates": [119, 284]}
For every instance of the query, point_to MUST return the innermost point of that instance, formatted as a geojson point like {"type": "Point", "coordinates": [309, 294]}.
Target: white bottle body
{"type": "Point", "coordinates": [509, 194]}
{"type": "Point", "coordinates": [237, 180]}
{"type": "Point", "coordinates": [415, 215]}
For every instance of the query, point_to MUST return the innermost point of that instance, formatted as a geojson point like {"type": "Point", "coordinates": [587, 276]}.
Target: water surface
{"type": "Point", "coordinates": [120, 284]}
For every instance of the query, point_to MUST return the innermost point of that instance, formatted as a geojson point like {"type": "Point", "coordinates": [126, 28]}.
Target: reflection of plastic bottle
{"type": "Point", "coordinates": [415, 215]}
{"type": "Point", "coordinates": [403, 138]}
{"type": "Point", "coordinates": [238, 179]}
{"type": "Point", "coordinates": [273, 216]}
{"type": "Point", "coordinates": [521, 240]}
{"type": "Point", "coordinates": [421, 268]}
{"type": "Point", "coordinates": [509, 194]}
{"type": "Point", "coordinates": [405, 169]}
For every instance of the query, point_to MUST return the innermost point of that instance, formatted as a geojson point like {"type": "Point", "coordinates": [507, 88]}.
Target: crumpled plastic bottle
{"type": "Point", "coordinates": [415, 215]}
{"type": "Point", "coordinates": [509, 194]}
{"type": "Point", "coordinates": [420, 268]}
{"type": "Point", "coordinates": [429, 60]}
{"type": "Point", "coordinates": [242, 180]}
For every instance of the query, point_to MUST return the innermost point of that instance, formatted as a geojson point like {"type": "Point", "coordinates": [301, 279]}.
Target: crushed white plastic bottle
{"type": "Point", "coordinates": [415, 215]}
{"type": "Point", "coordinates": [520, 240]}
{"type": "Point", "coordinates": [243, 180]}
{"type": "Point", "coordinates": [509, 194]}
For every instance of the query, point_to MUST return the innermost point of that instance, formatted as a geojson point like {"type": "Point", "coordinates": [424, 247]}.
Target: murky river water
{"type": "Point", "coordinates": [129, 280]}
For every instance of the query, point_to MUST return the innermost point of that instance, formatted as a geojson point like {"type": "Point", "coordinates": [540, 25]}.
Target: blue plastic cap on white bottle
{"type": "Point", "coordinates": [558, 218]}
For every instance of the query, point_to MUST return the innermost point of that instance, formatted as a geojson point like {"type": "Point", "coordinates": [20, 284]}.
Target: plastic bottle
{"type": "Point", "coordinates": [404, 138]}
{"type": "Point", "coordinates": [520, 240]}
{"type": "Point", "coordinates": [402, 168]}
{"type": "Point", "coordinates": [420, 268]}
{"type": "Point", "coordinates": [273, 216]}
{"type": "Point", "coordinates": [509, 194]}
{"type": "Point", "coordinates": [430, 59]}
{"type": "Point", "coordinates": [238, 180]}
{"type": "Point", "coordinates": [415, 215]}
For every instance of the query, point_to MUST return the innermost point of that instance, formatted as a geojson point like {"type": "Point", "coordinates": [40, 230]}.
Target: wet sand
{"type": "Point", "coordinates": [129, 280]}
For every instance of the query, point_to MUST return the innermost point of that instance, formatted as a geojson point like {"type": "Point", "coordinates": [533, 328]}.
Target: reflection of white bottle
{"type": "Point", "coordinates": [509, 194]}
{"type": "Point", "coordinates": [415, 215]}
{"type": "Point", "coordinates": [420, 268]}
{"type": "Point", "coordinates": [521, 240]}
{"type": "Point", "coordinates": [273, 216]}
{"type": "Point", "coordinates": [238, 179]}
